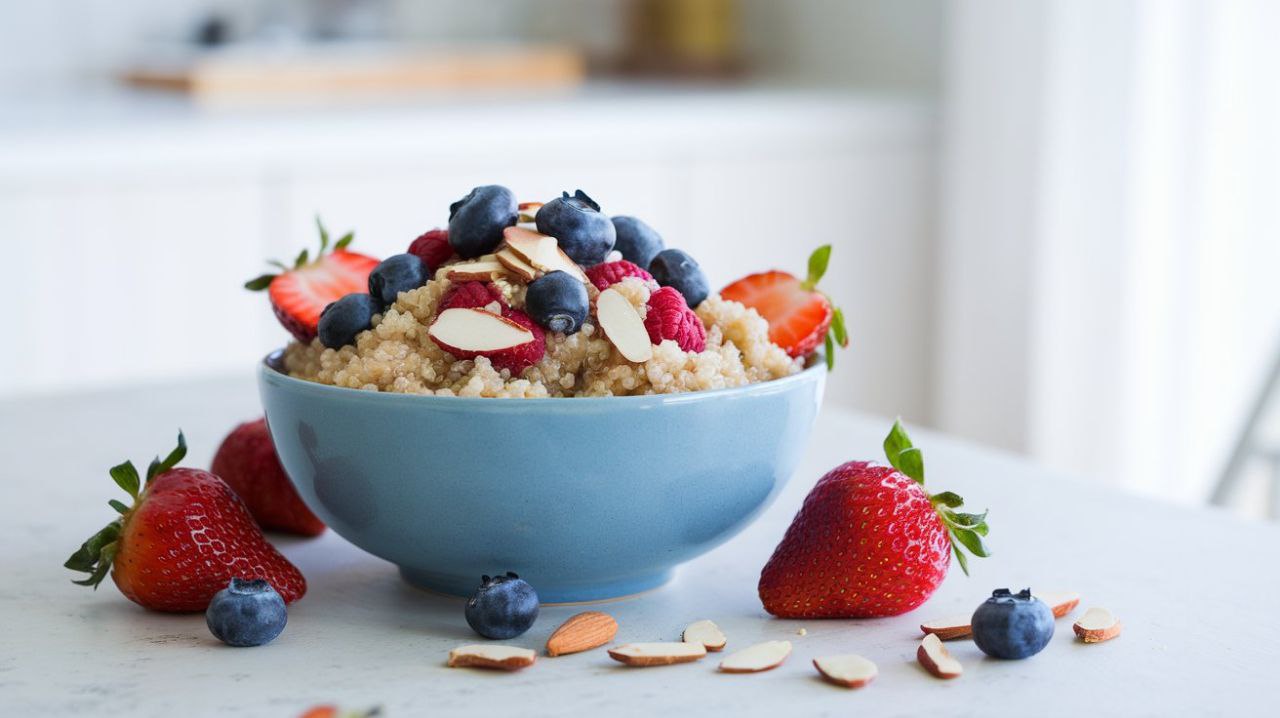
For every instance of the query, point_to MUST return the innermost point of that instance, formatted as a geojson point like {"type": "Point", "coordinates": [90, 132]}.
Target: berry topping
{"type": "Point", "coordinates": [583, 232]}
{"type": "Point", "coordinates": [503, 607]}
{"type": "Point", "coordinates": [395, 274]}
{"type": "Point", "coordinates": [343, 320]}
{"type": "Point", "coordinates": [433, 248]}
{"type": "Point", "coordinates": [800, 317]}
{"type": "Point", "coordinates": [669, 317]}
{"type": "Point", "coordinates": [610, 273]}
{"type": "Point", "coordinates": [247, 461]}
{"type": "Point", "coordinates": [248, 612]}
{"type": "Point", "coordinates": [637, 242]}
{"type": "Point", "coordinates": [510, 341]}
{"type": "Point", "coordinates": [869, 541]}
{"type": "Point", "coordinates": [300, 293]}
{"type": "Point", "coordinates": [674, 268]}
{"type": "Point", "coordinates": [472, 295]}
{"type": "Point", "coordinates": [558, 302]}
{"type": "Point", "coordinates": [184, 537]}
{"type": "Point", "coordinates": [1010, 625]}
{"type": "Point", "coordinates": [477, 220]}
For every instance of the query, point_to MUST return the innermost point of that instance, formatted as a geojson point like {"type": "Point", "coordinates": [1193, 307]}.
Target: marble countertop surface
{"type": "Point", "coordinates": [1195, 588]}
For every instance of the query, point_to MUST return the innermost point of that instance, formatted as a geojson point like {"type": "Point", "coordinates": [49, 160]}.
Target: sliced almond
{"type": "Point", "coordinates": [948, 628]}
{"type": "Point", "coordinates": [849, 670]}
{"type": "Point", "coordinates": [623, 326]}
{"type": "Point", "coordinates": [1061, 602]}
{"type": "Point", "coordinates": [541, 251]}
{"type": "Point", "coordinates": [657, 654]}
{"type": "Point", "coordinates": [503, 658]}
{"type": "Point", "coordinates": [529, 211]}
{"type": "Point", "coordinates": [936, 659]}
{"type": "Point", "coordinates": [516, 267]}
{"type": "Point", "coordinates": [760, 657]}
{"type": "Point", "coordinates": [582, 632]}
{"type": "Point", "coordinates": [480, 269]}
{"type": "Point", "coordinates": [1097, 625]}
{"type": "Point", "coordinates": [477, 330]}
{"type": "Point", "coordinates": [706, 633]}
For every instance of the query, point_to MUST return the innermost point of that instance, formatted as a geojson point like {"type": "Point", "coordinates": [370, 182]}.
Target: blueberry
{"type": "Point", "coordinates": [582, 231]}
{"type": "Point", "coordinates": [503, 607]}
{"type": "Point", "coordinates": [557, 301]}
{"type": "Point", "coordinates": [248, 612]}
{"type": "Point", "coordinates": [1009, 625]}
{"type": "Point", "coordinates": [395, 274]}
{"type": "Point", "coordinates": [342, 320]}
{"type": "Point", "coordinates": [637, 241]}
{"type": "Point", "coordinates": [477, 220]}
{"type": "Point", "coordinates": [673, 268]}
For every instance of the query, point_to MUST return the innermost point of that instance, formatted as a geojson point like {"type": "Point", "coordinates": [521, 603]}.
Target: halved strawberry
{"type": "Point", "coordinates": [299, 293]}
{"type": "Point", "coordinates": [800, 317]}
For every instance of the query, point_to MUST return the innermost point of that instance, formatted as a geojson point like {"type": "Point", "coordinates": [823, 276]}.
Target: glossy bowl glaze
{"type": "Point", "coordinates": [586, 498]}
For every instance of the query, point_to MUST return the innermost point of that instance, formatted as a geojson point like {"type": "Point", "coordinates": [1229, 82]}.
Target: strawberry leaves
{"type": "Point", "coordinates": [263, 281]}
{"type": "Point", "coordinates": [965, 529]}
{"type": "Point", "coordinates": [837, 333]}
{"type": "Point", "coordinates": [95, 555]}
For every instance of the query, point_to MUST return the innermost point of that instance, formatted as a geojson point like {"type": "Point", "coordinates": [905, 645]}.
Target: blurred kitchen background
{"type": "Point", "coordinates": [1055, 222]}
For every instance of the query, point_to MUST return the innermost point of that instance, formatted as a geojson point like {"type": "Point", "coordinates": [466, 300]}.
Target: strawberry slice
{"type": "Point", "coordinates": [300, 293]}
{"type": "Point", "coordinates": [800, 317]}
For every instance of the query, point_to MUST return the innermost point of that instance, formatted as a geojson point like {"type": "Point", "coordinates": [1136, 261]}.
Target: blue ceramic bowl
{"type": "Point", "coordinates": [586, 498]}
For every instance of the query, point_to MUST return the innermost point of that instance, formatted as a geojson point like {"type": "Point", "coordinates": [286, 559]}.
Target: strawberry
{"type": "Point", "coordinates": [869, 541]}
{"type": "Point", "coordinates": [433, 248]}
{"type": "Point", "coordinates": [800, 317]}
{"type": "Point", "coordinates": [247, 461]}
{"type": "Point", "coordinates": [184, 538]}
{"type": "Point", "coordinates": [301, 292]}
{"type": "Point", "coordinates": [669, 317]}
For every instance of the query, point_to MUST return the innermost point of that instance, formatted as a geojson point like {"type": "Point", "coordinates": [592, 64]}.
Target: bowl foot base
{"type": "Point", "coordinates": [549, 593]}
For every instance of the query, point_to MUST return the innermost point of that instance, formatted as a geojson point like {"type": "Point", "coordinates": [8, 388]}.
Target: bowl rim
{"type": "Point", "coordinates": [269, 372]}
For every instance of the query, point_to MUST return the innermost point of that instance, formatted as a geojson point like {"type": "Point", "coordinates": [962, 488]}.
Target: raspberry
{"type": "Point", "coordinates": [433, 248]}
{"type": "Point", "coordinates": [517, 359]}
{"type": "Point", "coordinates": [610, 273]}
{"type": "Point", "coordinates": [472, 295]}
{"type": "Point", "coordinates": [669, 317]}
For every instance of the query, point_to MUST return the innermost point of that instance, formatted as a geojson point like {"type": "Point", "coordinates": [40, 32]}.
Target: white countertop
{"type": "Point", "coordinates": [1195, 590]}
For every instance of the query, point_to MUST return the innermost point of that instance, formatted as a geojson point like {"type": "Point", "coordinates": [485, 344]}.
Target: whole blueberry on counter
{"type": "Point", "coordinates": [248, 612]}
{"type": "Point", "coordinates": [503, 607]}
{"type": "Point", "coordinates": [477, 220]}
{"type": "Point", "coordinates": [637, 241]}
{"type": "Point", "coordinates": [1010, 625]}
{"type": "Point", "coordinates": [582, 231]}
{"type": "Point", "coordinates": [558, 302]}
{"type": "Point", "coordinates": [395, 274]}
{"type": "Point", "coordinates": [676, 269]}
{"type": "Point", "coordinates": [342, 320]}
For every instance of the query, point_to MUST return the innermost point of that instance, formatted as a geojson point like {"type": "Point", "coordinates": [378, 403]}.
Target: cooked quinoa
{"type": "Point", "coordinates": [396, 355]}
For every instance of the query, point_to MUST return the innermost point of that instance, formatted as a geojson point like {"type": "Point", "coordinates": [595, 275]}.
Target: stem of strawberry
{"type": "Point", "coordinates": [837, 335]}
{"type": "Point", "coordinates": [259, 283]}
{"type": "Point", "coordinates": [965, 529]}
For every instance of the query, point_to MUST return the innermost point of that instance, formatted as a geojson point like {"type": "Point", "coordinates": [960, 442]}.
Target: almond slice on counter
{"type": "Point", "coordinates": [760, 657]}
{"type": "Point", "coordinates": [502, 658]}
{"type": "Point", "coordinates": [706, 633]}
{"type": "Point", "coordinates": [657, 654]}
{"type": "Point", "coordinates": [480, 269]}
{"type": "Point", "coordinates": [936, 659]}
{"type": "Point", "coordinates": [948, 628]}
{"type": "Point", "coordinates": [623, 326]}
{"type": "Point", "coordinates": [849, 670]}
{"type": "Point", "coordinates": [582, 632]}
{"type": "Point", "coordinates": [541, 251]}
{"type": "Point", "coordinates": [516, 266]}
{"type": "Point", "coordinates": [477, 330]}
{"type": "Point", "coordinates": [1097, 625]}
{"type": "Point", "coordinates": [1060, 602]}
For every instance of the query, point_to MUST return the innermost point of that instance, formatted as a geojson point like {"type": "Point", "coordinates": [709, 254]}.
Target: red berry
{"type": "Point", "coordinates": [471, 295]}
{"type": "Point", "coordinates": [798, 318]}
{"type": "Point", "coordinates": [433, 248]}
{"type": "Point", "coordinates": [247, 461]}
{"type": "Point", "coordinates": [669, 317]}
{"type": "Point", "coordinates": [517, 359]}
{"type": "Point", "coordinates": [184, 538]}
{"type": "Point", "coordinates": [608, 274]}
{"type": "Point", "coordinates": [476, 295]}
